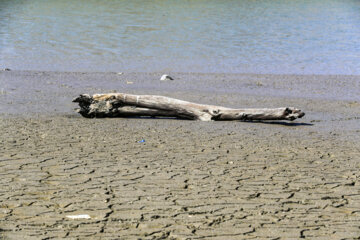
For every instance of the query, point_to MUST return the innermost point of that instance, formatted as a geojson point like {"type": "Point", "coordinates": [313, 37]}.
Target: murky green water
{"type": "Point", "coordinates": [319, 36]}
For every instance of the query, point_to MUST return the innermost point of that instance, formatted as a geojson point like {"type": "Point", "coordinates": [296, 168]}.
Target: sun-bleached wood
{"type": "Point", "coordinates": [124, 105]}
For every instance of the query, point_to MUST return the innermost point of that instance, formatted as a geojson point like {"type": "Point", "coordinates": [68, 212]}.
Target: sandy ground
{"type": "Point", "coordinates": [188, 180]}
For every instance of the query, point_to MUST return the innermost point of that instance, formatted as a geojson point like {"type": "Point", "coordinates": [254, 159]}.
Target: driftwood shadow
{"type": "Point", "coordinates": [288, 124]}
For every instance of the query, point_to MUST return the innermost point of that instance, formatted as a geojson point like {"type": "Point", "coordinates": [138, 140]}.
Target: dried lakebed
{"type": "Point", "coordinates": [64, 176]}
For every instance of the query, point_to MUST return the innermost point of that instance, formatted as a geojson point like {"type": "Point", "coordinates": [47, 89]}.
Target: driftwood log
{"type": "Point", "coordinates": [127, 105]}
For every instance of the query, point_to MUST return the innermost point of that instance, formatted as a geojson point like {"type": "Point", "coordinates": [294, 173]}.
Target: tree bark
{"type": "Point", "coordinates": [125, 105]}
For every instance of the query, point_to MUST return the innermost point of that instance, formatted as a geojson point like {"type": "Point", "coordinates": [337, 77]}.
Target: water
{"type": "Point", "coordinates": [237, 36]}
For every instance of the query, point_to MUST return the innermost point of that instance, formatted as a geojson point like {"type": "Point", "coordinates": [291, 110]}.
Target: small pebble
{"type": "Point", "coordinates": [165, 77]}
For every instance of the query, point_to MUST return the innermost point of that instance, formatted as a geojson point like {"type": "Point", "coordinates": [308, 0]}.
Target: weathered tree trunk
{"type": "Point", "coordinates": [124, 105]}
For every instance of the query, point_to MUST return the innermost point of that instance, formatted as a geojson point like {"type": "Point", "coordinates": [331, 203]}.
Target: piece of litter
{"type": "Point", "coordinates": [141, 141]}
{"type": "Point", "coordinates": [81, 216]}
{"type": "Point", "coordinates": [120, 73]}
{"type": "Point", "coordinates": [129, 82]}
{"type": "Point", "coordinates": [165, 77]}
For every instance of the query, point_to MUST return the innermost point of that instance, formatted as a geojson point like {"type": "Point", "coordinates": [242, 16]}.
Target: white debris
{"type": "Point", "coordinates": [80, 216]}
{"type": "Point", "coordinates": [120, 73]}
{"type": "Point", "coordinates": [165, 78]}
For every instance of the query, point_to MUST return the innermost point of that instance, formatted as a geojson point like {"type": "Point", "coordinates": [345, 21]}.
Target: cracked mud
{"type": "Point", "coordinates": [187, 180]}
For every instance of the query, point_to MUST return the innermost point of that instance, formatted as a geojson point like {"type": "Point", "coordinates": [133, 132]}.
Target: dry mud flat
{"type": "Point", "coordinates": [187, 180]}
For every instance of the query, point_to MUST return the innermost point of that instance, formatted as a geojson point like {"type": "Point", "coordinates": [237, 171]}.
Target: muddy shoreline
{"type": "Point", "coordinates": [187, 179]}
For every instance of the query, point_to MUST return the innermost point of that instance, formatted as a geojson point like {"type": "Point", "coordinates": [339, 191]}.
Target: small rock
{"type": "Point", "coordinates": [81, 216]}
{"type": "Point", "coordinates": [165, 78]}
